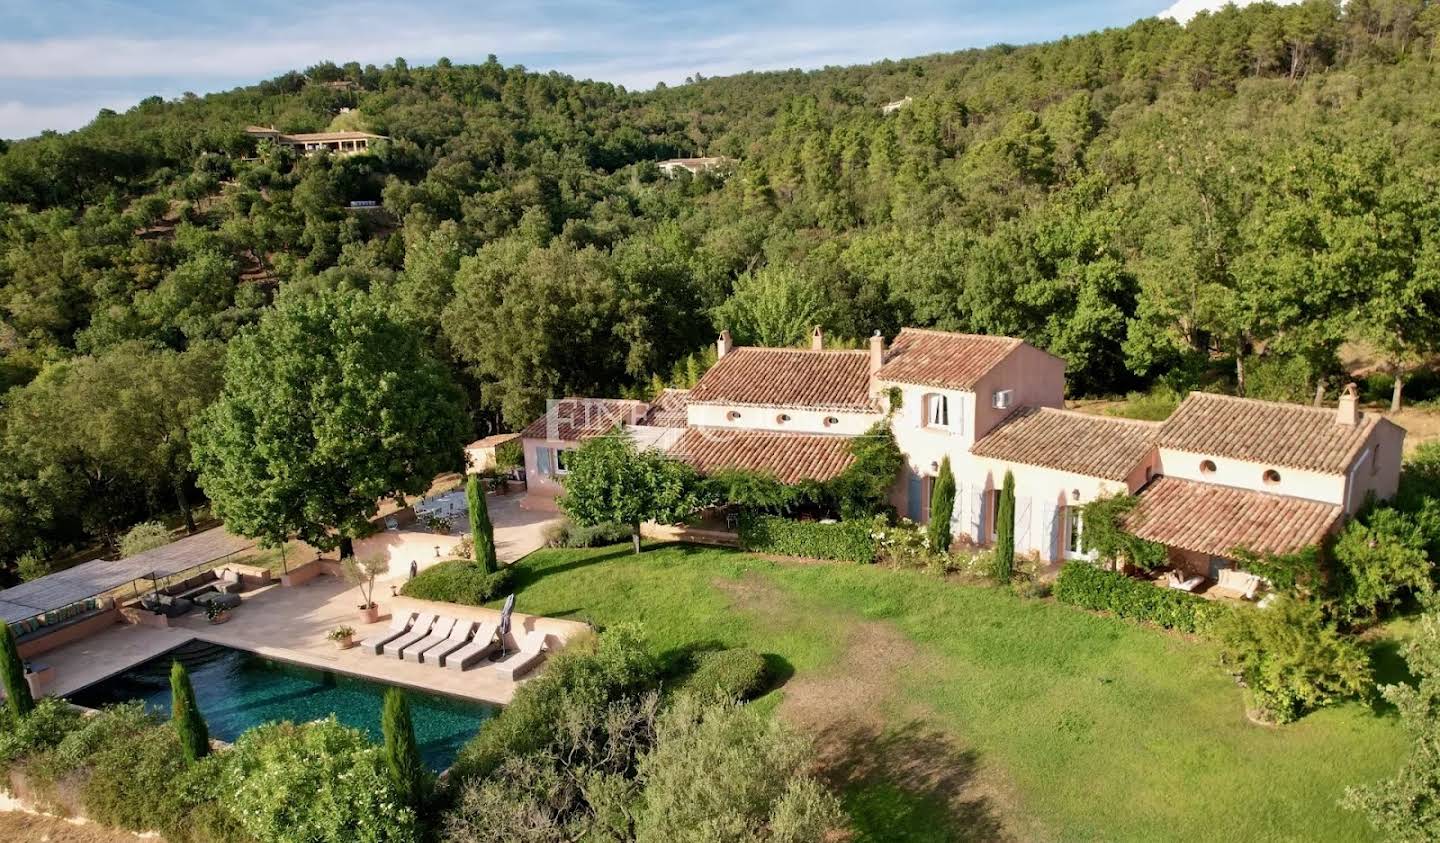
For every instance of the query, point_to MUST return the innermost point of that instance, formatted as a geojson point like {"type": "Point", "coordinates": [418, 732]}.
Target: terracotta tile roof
{"type": "Point", "coordinates": [493, 440]}
{"type": "Point", "coordinates": [1096, 446]}
{"type": "Point", "coordinates": [938, 358]}
{"type": "Point", "coordinates": [1214, 519]}
{"type": "Point", "coordinates": [791, 457]}
{"type": "Point", "coordinates": [1270, 432]}
{"type": "Point", "coordinates": [574, 419]}
{"type": "Point", "coordinates": [788, 377]}
{"type": "Point", "coordinates": [321, 137]}
{"type": "Point", "coordinates": [668, 408]}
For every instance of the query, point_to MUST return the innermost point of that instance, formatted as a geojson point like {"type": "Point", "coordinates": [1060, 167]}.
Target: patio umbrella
{"type": "Point", "coordinates": [505, 621]}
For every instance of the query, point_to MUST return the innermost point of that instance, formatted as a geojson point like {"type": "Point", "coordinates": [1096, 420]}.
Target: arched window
{"type": "Point", "coordinates": [1271, 477]}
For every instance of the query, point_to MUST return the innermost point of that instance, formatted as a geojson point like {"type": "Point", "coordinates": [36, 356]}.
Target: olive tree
{"type": "Point", "coordinates": [610, 481]}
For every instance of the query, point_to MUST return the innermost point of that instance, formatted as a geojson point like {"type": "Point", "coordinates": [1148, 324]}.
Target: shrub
{"type": "Point", "coordinates": [130, 781]}
{"type": "Point", "coordinates": [942, 508]}
{"type": "Point", "coordinates": [1084, 585]}
{"type": "Point", "coordinates": [587, 674]}
{"type": "Point", "coordinates": [459, 581]}
{"type": "Point", "coordinates": [1005, 531]}
{"type": "Point", "coordinates": [1106, 537]}
{"type": "Point", "coordinates": [18, 700]}
{"type": "Point", "coordinates": [567, 533]}
{"type": "Point", "coordinates": [42, 728]}
{"type": "Point", "coordinates": [1156, 405]}
{"type": "Point", "coordinates": [1290, 660]}
{"type": "Point", "coordinates": [863, 488]}
{"type": "Point", "coordinates": [1379, 559]}
{"type": "Point", "coordinates": [319, 782]}
{"type": "Point", "coordinates": [482, 532]}
{"type": "Point", "coordinates": [402, 755]}
{"type": "Point", "coordinates": [147, 535]}
{"type": "Point", "coordinates": [849, 541]}
{"type": "Point", "coordinates": [32, 565]}
{"type": "Point", "coordinates": [728, 675]}
{"type": "Point", "coordinates": [185, 715]}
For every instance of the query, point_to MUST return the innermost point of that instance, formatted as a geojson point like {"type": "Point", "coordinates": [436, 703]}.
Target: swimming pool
{"type": "Point", "coordinates": [237, 690]}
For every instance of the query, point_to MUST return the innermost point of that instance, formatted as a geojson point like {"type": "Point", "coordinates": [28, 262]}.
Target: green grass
{"type": "Point", "coordinates": [1077, 727]}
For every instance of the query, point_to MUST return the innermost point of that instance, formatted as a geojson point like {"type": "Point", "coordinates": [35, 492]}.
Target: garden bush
{"type": "Point", "coordinates": [848, 541]}
{"type": "Point", "coordinates": [727, 675]}
{"type": "Point", "coordinates": [144, 536]}
{"type": "Point", "coordinates": [461, 581]}
{"type": "Point", "coordinates": [1084, 585]}
{"type": "Point", "coordinates": [319, 782]}
{"type": "Point", "coordinates": [569, 534]}
{"type": "Point", "coordinates": [42, 729]}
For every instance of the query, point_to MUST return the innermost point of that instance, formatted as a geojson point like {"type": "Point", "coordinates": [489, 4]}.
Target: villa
{"type": "Point", "coordinates": [1220, 473]}
{"type": "Point", "coordinates": [695, 166]}
{"type": "Point", "coordinates": [308, 143]}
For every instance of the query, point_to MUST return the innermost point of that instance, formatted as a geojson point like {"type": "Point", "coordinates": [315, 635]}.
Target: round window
{"type": "Point", "coordinates": [1207, 466]}
{"type": "Point", "coordinates": [782, 418]}
{"type": "Point", "coordinates": [1271, 477]}
{"type": "Point", "coordinates": [831, 421]}
{"type": "Point", "coordinates": [733, 415]}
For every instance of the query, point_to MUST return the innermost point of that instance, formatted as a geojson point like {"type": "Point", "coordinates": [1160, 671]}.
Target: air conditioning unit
{"type": "Point", "coordinates": [1002, 399]}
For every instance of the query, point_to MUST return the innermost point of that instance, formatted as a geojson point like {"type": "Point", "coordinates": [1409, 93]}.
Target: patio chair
{"type": "Point", "coordinates": [229, 583]}
{"type": "Point", "coordinates": [419, 629]}
{"type": "Point", "coordinates": [438, 634]}
{"type": "Point", "coordinates": [459, 637]}
{"type": "Point", "coordinates": [529, 654]}
{"type": "Point", "coordinates": [480, 646]}
{"type": "Point", "coordinates": [399, 624]}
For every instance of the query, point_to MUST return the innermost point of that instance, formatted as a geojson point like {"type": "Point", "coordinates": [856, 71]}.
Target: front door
{"type": "Point", "coordinates": [914, 494]}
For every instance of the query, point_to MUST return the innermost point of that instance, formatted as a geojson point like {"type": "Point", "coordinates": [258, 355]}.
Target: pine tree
{"type": "Point", "coordinates": [185, 715]}
{"type": "Point", "coordinates": [942, 508]}
{"type": "Point", "coordinates": [12, 673]}
{"type": "Point", "coordinates": [402, 755]}
{"type": "Point", "coordinates": [1005, 531]}
{"type": "Point", "coordinates": [482, 532]}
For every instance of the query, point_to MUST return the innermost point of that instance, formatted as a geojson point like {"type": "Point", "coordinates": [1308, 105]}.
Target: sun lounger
{"type": "Point", "coordinates": [399, 625]}
{"type": "Point", "coordinates": [1178, 581]}
{"type": "Point", "coordinates": [480, 646]}
{"type": "Point", "coordinates": [459, 637]}
{"type": "Point", "coordinates": [531, 651]}
{"type": "Point", "coordinates": [419, 629]}
{"type": "Point", "coordinates": [438, 634]}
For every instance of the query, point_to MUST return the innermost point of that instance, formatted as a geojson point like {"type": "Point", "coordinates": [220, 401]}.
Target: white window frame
{"type": "Point", "coordinates": [937, 410]}
{"type": "Point", "coordinates": [1073, 532]}
{"type": "Point", "coordinates": [557, 462]}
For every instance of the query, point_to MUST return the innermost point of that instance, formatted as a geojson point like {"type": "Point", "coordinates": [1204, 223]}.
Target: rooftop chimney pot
{"type": "Point", "coordinates": [877, 353]}
{"type": "Point", "coordinates": [1347, 412]}
{"type": "Point", "coordinates": [817, 339]}
{"type": "Point", "coordinates": [723, 344]}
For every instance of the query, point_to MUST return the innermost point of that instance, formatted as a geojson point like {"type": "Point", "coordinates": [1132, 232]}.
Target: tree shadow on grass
{"type": "Point", "coordinates": [1387, 661]}
{"type": "Point", "coordinates": [908, 781]}
{"type": "Point", "coordinates": [528, 573]}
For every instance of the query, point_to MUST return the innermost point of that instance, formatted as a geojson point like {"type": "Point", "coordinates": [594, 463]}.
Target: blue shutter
{"type": "Point", "coordinates": [542, 460]}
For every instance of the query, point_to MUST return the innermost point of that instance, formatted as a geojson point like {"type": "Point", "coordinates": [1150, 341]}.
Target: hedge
{"type": "Point", "coordinates": [1083, 584]}
{"type": "Point", "coordinates": [728, 675]}
{"type": "Point", "coordinates": [844, 540]}
{"type": "Point", "coordinates": [461, 581]}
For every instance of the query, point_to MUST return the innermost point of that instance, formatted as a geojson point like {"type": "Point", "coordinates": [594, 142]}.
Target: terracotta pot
{"type": "Point", "coordinates": [221, 618]}
{"type": "Point", "coordinates": [344, 643]}
{"type": "Point", "coordinates": [370, 614]}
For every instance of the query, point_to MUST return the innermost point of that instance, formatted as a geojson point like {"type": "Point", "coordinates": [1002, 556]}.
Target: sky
{"type": "Point", "coordinates": [61, 61]}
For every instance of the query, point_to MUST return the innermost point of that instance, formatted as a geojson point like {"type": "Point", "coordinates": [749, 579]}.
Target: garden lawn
{"type": "Point", "coordinates": [997, 715]}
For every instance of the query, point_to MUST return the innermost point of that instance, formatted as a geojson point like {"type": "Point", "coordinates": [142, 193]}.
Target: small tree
{"type": "Point", "coordinates": [185, 715]}
{"type": "Point", "coordinates": [482, 532]}
{"type": "Point", "coordinates": [12, 674]}
{"type": "Point", "coordinates": [942, 507]}
{"type": "Point", "coordinates": [1005, 531]}
{"type": "Point", "coordinates": [863, 488]}
{"type": "Point", "coordinates": [362, 572]}
{"type": "Point", "coordinates": [612, 482]}
{"type": "Point", "coordinates": [147, 535]}
{"type": "Point", "coordinates": [402, 755]}
{"type": "Point", "coordinates": [1105, 535]}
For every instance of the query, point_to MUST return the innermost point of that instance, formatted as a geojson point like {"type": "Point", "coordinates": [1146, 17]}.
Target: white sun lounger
{"type": "Point", "coordinates": [479, 647]}
{"type": "Point", "coordinates": [438, 634]}
{"type": "Point", "coordinates": [418, 630]}
{"type": "Point", "coordinates": [459, 637]}
{"type": "Point", "coordinates": [399, 623]}
{"type": "Point", "coordinates": [531, 651]}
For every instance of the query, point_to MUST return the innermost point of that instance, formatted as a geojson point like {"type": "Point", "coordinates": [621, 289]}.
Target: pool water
{"type": "Point", "coordinates": [237, 690]}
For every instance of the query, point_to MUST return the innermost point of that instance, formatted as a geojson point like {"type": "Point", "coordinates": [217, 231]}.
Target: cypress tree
{"type": "Point", "coordinates": [1005, 531]}
{"type": "Point", "coordinates": [185, 715]}
{"type": "Point", "coordinates": [12, 674]}
{"type": "Point", "coordinates": [402, 755]}
{"type": "Point", "coordinates": [482, 532]}
{"type": "Point", "coordinates": [942, 507]}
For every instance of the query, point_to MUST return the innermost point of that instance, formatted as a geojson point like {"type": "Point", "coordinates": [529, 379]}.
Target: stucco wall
{"type": "Point", "coordinates": [1243, 474]}
{"type": "Point", "coordinates": [766, 418]}
{"type": "Point", "coordinates": [1037, 378]}
{"type": "Point", "coordinates": [538, 483]}
{"type": "Point", "coordinates": [1377, 469]}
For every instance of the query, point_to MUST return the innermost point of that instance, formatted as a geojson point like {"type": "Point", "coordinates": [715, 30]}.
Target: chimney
{"type": "Point", "coordinates": [817, 339]}
{"type": "Point", "coordinates": [877, 353]}
{"type": "Point", "coordinates": [1347, 412]}
{"type": "Point", "coordinates": [723, 345]}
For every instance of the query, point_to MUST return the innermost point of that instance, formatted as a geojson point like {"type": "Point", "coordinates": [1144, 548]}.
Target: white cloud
{"type": "Point", "coordinates": [1184, 10]}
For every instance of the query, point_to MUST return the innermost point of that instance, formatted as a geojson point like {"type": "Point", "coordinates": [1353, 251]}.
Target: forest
{"type": "Point", "coordinates": [1223, 205]}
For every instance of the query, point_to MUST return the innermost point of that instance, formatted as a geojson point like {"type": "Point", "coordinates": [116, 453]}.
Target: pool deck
{"type": "Point", "coordinates": [289, 624]}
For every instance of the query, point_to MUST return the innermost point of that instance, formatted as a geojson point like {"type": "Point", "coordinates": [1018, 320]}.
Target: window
{"type": "Point", "coordinates": [1207, 466]}
{"type": "Point", "coordinates": [1002, 399]}
{"type": "Point", "coordinates": [1375, 459]}
{"type": "Point", "coordinates": [938, 410]}
{"type": "Point", "coordinates": [782, 418]}
{"type": "Point", "coordinates": [831, 421]}
{"type": "Point", "coordinates": [1271, 477]}
{"type": "Point", "coordinates": [733, 415]}
{"type": "Point", "coordinates": [1074, 526]}
{"type": "Point", "coordinates": [562, 461]}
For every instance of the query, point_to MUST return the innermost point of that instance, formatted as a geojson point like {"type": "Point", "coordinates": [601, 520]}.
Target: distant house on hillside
{"type": "Point", "coordinates": [338, 143]}
{"type": "Point", "coordinates": [892, 107]}
{"type": "Point", "coordinates": [695, 166]}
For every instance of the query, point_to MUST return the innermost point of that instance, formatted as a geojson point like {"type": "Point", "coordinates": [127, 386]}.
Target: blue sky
{"type": "Point", "coordinates": [62, 60]}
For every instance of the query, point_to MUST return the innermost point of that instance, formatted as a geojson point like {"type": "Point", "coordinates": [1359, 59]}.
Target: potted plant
{"type": "Point", "coordinates": [362, 572]}
{"type": "Point", "coordinates": [216, 614]}
{"type": "Point", "coordinates": [343, 636]}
